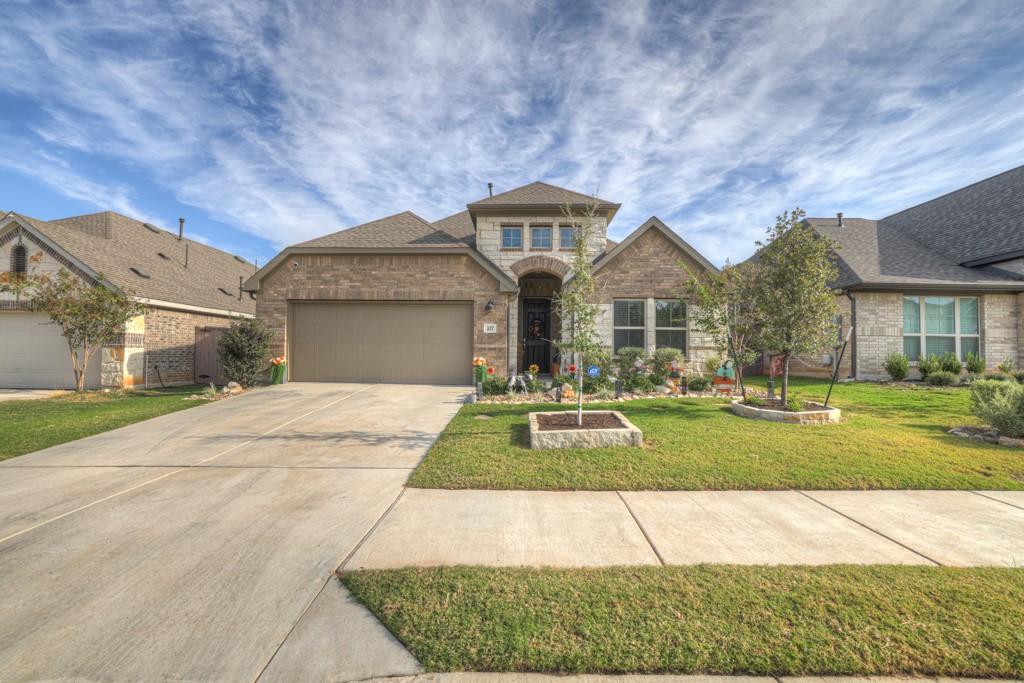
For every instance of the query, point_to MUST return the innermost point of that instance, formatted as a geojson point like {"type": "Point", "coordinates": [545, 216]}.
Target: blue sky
{"type": "Point", "coordinates": [267, 123]}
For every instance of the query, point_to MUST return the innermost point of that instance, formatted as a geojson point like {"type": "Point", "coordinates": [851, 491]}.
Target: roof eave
{"type": "Point", "coordinates": [939, 287]}
{"type": "Point", "coordinates": [995, 258]}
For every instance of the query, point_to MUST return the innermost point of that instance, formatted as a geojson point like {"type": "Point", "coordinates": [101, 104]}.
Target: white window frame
{"type": "Point", "coordinates": [642, 326]}
{"type": "Point", "coordinates": [922, 324]}
{"type": "Point", "coordinates": [685, 328]}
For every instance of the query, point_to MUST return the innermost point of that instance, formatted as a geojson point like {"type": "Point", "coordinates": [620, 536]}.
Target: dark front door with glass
{"type": "Point", "coordinates": [537, 333]}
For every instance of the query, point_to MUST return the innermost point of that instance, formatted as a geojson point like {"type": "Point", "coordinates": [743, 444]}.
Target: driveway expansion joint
{"type": "Point", "coordinates": [997, 500]}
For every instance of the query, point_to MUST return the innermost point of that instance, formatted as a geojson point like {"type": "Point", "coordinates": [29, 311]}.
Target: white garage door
{"type": "Point", "coordinates": [33, 355]}
{"type": "Point", "coordinates": [374, 342]}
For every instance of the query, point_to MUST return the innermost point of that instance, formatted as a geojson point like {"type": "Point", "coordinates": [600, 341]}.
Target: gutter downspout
{"type": "Point", "coordinates": [853, 328]}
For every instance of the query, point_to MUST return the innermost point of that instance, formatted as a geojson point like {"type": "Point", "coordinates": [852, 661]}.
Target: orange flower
{"type": "Point", "coordinates": [572, 369]}
{"type": "Point", "coordinates": [490, 370]}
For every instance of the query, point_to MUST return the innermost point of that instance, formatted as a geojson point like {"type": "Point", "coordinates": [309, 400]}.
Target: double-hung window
{"type": "Point", "coordinates": [540, 237]}
{"type": "Point", "coordinates": [628, 323]}
{"type": "Point", "coordinates": [511, 237]}
{"type": "Point", "coordinates": [566, 237]}
{"type": "Point", "coordinates": [939, 325]}
{"type": "Point", "coordinates": [670, 324]}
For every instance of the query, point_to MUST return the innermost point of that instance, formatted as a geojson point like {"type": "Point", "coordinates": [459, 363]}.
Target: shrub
{"type": "Point", "coordinates": [998, 377]}
{"type": "Point", "coordinates": [793, 403]}
{"type": "Point", "coordinates": [534, 385]}
{"type": "Point", "coordinates": [603, 360]}
{"type": "Point", "coordinates": [244, 349]}
{"type": "Point", "coordinates": [942, 378]}
{"type": "Point", "coordinates": [1001, 405]}
{"type": "Point", "coordinates": [638, 383]}
{"type": "Point", "coordinates": [1006, 366]}
{"type": "Point", "coordinates": [628, 356]}
{"type": "Point", "coordinates": [927, 364]}
{"type": "Point", "coordinates": [495, 385]}
{"type": "Point", "coordinates": [561, 379]}
{"type": "Point", "coordinates": [662, 357]}
{"type": "Point", "coordinates": [950, 363]}
{"type": "Point", "coordinates": [975, 363]}
{"type": "Point", "coordinates": [1019, 376]}
{"type": "Point", "coordinates": [898, 366]}
{"type": "Point", "coordinates": [754, 401]}
{"type": "Point", "coordinates": [699, 384]}
{"type": "Point", "coordinates": [711, 365]}
{"type": "Point", "coordinates": [657, 378]}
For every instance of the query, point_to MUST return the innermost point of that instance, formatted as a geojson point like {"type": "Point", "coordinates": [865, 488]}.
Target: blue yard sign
{"type": "Point", "coordinates": [593, 371]}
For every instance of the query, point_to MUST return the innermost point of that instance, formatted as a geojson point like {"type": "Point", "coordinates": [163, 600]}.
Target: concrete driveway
{"type": "Point", "coordinates": [199, 546]}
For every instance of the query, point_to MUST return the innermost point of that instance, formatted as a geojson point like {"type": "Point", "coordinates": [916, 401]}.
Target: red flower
{"type": "Point", "coordinates": [490, 369]}
{"type": "Point", "coordinates": [572, 369]}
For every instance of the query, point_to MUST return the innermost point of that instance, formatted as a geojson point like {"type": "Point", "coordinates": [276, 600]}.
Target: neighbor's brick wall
{"type": "Point", "coordinates": [170, 344]}
{"type": "Point", "coordinates": [1000, 328]}
{"type": "Point", "coordinates": [810, 365]}
{"type": "Point", "coordinates": [388, 277]}
{"type": "Point", "coordinates": [1020, 330]}
{"type": "Point", "coordinates": [649, 269]}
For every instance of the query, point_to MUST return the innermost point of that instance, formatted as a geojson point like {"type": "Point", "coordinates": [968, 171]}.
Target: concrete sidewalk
{"type": "Point", "coordinates": [429, 527]}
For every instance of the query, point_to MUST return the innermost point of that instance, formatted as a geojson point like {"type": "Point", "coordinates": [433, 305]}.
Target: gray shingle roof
{"type": "Point", "coordinates": [875, 254]}
{"type": "Point", "coordinates": [540, 194]}
{"type": "Point", "coordinates": [112, 244]}
{"type": "Point", "coordinates": [403, 230]}
{"type": "Point", "coordinates": [976, 222]}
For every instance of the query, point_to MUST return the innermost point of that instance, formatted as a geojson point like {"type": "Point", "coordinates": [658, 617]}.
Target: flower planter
{"type": "Point", "coordinates": [625, 435]}
{"type": "Point", "coordinates": [818, 415]}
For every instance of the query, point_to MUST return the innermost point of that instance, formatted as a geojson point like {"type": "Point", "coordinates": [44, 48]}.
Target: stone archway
{"type": "Point", "coordinates": [540, 263]}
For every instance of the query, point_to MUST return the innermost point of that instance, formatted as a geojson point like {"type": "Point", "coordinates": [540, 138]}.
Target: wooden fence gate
{"type": "Point", "coordinates": [208, 367]}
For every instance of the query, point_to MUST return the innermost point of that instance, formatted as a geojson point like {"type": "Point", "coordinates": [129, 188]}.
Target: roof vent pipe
{"type": "Point", "coordinates": [490, 189]}
{"type": "Point", "coordinates": [181, 228]}
{"type": "Point", "coordinates": [840, 217]}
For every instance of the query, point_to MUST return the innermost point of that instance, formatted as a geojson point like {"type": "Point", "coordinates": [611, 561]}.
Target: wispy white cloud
{"type": "Point", "coordinates": [289, 120]}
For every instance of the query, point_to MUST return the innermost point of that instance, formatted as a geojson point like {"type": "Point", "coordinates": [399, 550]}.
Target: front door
{"type": "Point", "coordinates": [537, 333]}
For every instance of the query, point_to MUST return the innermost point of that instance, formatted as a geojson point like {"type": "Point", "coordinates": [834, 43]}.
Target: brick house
{"type": "Point", "coordinates": [402, 299]}
{"type": "Point", "coordinates": [186, 286]}
{"type": "Point", "coordinates": [946, 275]}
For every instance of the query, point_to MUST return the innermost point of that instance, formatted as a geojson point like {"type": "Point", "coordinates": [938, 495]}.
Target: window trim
{"type": "Point", "coordinates": [533, 245]}
{"type": "Point", "coordinates": [561, 242]}
{"type": "Point", "coordinates": [642, 327]}
{"type": "Point", "coordinates": [922, 336]}
{"type": "Point", "coordinates": [684, 328]}
{"type": "Point", "coordinates": [512, 229]}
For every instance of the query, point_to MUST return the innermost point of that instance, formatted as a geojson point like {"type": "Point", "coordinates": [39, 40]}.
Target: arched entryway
{"type": "Point", "coordinates": [538, 325]}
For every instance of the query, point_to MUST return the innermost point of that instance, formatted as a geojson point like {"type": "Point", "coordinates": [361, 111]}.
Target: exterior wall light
{"type": "Point", "coordinates": [489, 306]}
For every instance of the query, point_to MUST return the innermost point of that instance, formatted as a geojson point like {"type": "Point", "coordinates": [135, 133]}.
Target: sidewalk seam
{"type": "Point", "coordinates": [643, 531]}
{"type": "Point", "coordinates": [874, 531]}
{"type": "Point", "coordinates": [341, 567]}
{"type": "Point", "coordinates": [996, 500]}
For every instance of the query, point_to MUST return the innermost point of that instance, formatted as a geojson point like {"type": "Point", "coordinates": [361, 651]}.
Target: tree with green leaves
{"type": "Point", "coordinates": [718, 305]}
{"type": "Point", "coordinates": [244, 350]}
{"type": "Point", "coordinates": [574, 305]}
{"type": "Point", "coordinates": [791, 296]}
{"type": "Point", "coordinates": [88, 315]}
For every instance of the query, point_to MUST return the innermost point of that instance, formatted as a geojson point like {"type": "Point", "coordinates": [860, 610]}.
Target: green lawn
{"type": "Point", "coordinates": [706, 619]}
{"type": "Point", "coordinates": [891, 438]}
{"type": "Point", "coordinates": [27, 426]}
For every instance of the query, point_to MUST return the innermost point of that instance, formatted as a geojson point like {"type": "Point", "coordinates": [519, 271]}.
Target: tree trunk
{"type": "Point", "coordinates": [785, 377]}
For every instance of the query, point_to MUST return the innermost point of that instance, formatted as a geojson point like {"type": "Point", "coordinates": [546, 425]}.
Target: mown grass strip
{"type": "Point", "coordinates": [706, 619]}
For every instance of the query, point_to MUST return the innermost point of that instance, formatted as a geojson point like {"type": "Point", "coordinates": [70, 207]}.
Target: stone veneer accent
{"type": "Point", "coordinates": [820, 415]}
{"type": "Point", "coordinates": [488, 239]}
{"type": "Point", "coordinates": [388, 277]}
{"type": "Point", "coordinates": [627, 435]}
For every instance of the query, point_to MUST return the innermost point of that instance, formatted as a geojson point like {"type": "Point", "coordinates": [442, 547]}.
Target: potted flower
{"type": "Point", "coordinates": [278, 370]}
{"type": "Point", "coordinates": [479, 371]}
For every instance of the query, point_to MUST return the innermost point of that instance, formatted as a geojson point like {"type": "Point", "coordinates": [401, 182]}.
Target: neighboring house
{"type": "Point", "coordinates": [946, 275]}
{"type": "Point", "coordinates": [186, 285]}
{"type": "Point", "coordinates": [402, 299]}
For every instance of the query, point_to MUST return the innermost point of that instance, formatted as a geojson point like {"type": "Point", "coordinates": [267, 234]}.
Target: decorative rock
{"type": "Point", "coordinates": [234, 385]}
{"type": "Point", "coordinates": [552, 393]}
{"type": "Point", "coordinates": [627, 435]}
{"type": "Point", "coordinates": [819, 415]}
{"type": "Point", "coordinates": [1013, 443]}
{"type": "Point", "coordinates": [663, 390]}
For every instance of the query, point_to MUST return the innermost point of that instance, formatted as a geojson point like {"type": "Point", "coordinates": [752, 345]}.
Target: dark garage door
{"type": "Point", "coordinates": [418, 343]}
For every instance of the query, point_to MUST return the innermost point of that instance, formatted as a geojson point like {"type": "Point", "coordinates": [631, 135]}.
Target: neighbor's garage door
{"type": "Point", "coordinates": [33, 355]}
{"type": "Point", "coordinates": [374, 342]}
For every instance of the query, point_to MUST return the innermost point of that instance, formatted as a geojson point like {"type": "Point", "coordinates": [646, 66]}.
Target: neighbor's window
{"type": "Point", "coordinates": [511, 238]}
{"type": "Point", "coordinates": [628, 323]}
{"type": "Point", "coordinates": [940, 324]}
{"type": "Point", "coordinates": [540, 237]}
{"type": "Point", "coordinates": [670, 324]}
{"type": "Point", "coordinates": [567, 237]}
{"type": "Point", "coordinates": [19, 260]}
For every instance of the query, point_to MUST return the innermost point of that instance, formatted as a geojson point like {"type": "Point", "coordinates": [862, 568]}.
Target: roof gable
{"type": "Point", "coordinates": [541, 195]}
{"type": "Point", "coordinates": [653, 223]}
{"type": "Point", "coordinates": [404, 229]}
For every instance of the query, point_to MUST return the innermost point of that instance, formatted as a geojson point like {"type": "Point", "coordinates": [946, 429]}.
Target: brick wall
{"type": "Point", "coordinates": [1000, 325]}
{"type": "Point", "coordinates": [649, 269]}
{"type": "Point", "coordinates": [388, 277]}
{"type": "Point", "coordinates": [170, 345]}
{"type": "Point", "coordinates": [811, 365]}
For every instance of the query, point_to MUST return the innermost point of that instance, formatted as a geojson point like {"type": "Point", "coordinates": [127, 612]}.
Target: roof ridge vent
{"type": "Point", "coordinates": [150, 226]}
{"type": "Point", "coordinates": [138, 271]}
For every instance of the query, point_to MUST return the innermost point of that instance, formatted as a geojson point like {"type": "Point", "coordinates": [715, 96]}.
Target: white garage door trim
{"type": "Point", "coordinates": [386, 342]}
{"type": "Point", "coordinates": [33, 355]}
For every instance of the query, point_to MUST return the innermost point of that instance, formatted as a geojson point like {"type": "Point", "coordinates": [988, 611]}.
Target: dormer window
{"type": "Point", "coordinates": [19, 260]}
{"type": "Point", "coordinates": [511, 237]}
{"type": "Point", "coordinates": [540, 237]}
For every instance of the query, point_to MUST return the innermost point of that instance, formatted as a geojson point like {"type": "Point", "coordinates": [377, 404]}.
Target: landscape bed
{"type": "Point", "coordinates": [891, 437]}
{"type": "Point", "coordinates": [706, 619]}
